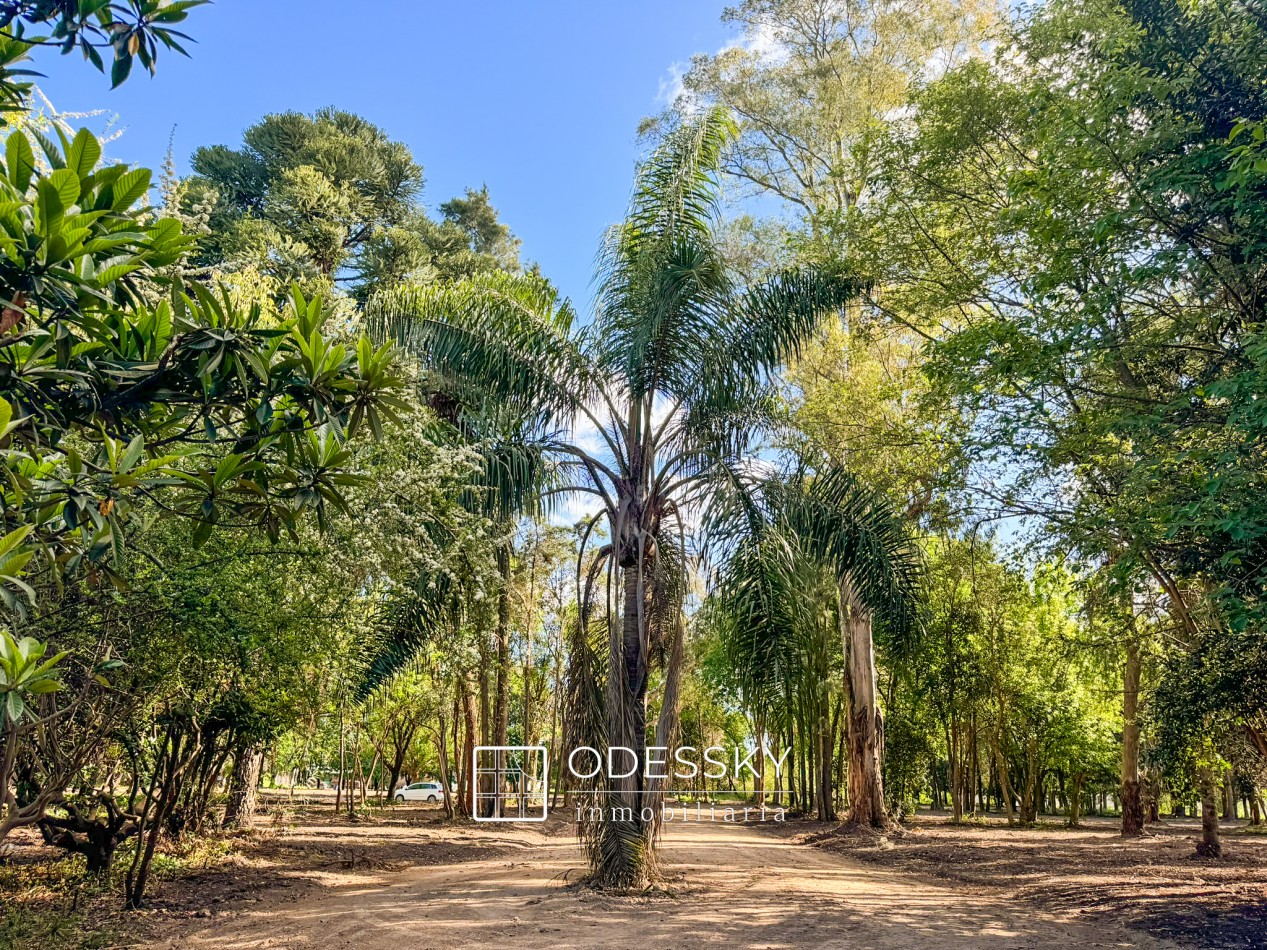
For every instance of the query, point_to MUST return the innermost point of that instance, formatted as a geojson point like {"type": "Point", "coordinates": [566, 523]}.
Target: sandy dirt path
{"type": "Point", "coordinates": [726, 885]}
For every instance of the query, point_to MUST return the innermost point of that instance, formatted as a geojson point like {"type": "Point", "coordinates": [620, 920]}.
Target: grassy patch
{"type": "Point", "coordinates": [55, 905]}
{"type": "Point", "coordinates": [43, 927]}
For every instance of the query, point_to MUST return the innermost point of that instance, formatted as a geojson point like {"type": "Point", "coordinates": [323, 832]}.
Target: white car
{"type": "Point", "coordinates": [420, 792]}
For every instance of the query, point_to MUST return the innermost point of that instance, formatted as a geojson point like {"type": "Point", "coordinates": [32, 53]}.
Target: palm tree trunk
{"type": "Point", "coordinates": [865, 723]}
{"type": "Point", "coordinates": [623, 840]}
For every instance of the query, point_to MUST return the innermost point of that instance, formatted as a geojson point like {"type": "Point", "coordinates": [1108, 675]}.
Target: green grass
{"type": "Point", "coordinates": [39, 928]}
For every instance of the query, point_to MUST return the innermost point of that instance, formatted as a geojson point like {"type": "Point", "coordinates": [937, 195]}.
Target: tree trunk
{"type": "Point", "coordinates": [1029, 801]}
{"type": "Point", "coordinates": [842, 757]}
{"type": "Point", "coordinates": [865, 723]}
{"type": "Point", "coordinates": [1075, 801]}
{"type": "Point", "coordinates": [1132, 801]}
{"type": "Point", "coordinates": [467, 770]}
{"type": "Point", "coordinates": [501, 710]}
{"type": "Point", "coordinates": [1006, 792]}
{"type": "Point", "coordinates": [338, 791]}
{"type": "Point", "coordinates": [527, 705]}
{"type": "Point", "coordinates": [353, 773]}
{"type": "Point", "coordinates": [401, 736]}
{"type": "Point", "coordinates": [444, 770]}
{"type": "Point", "coordinates": [1210, 846]}
{"type": "Point", "coordinates": [370, 775]}
{"type": "Point", "coordinates": [826, 803]}
{"type": "Point", "coordinates": [758, 783]}
{"type": "Point", "coordinates": [625, 838]}
{"type": "Point", "coordinates": [244, 783]}
{"type": "Point", "coordinates": [177, 751]}
{"type": "Point", "coordinates": [96, 837]}
{"type": "Point", "coordinates": [491, 784]}
{"type": "Point", "coordinates": [393, 776]}
{"type": "Point", "coordinates": [1152, 797]}
{"type": "Point", "coordinates": [555, 723]}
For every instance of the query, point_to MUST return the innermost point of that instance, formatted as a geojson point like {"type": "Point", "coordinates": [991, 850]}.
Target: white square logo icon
{"type": "Point", "coordinates": [511, 782]}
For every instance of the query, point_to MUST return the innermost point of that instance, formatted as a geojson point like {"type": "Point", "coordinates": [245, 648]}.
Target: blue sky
{"type": "Point", "coordinates": [540, 100]}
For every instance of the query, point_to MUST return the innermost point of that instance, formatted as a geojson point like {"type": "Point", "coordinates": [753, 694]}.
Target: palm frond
{"type": "Point", "coordinates": [498, 345]}
{"type": "Point", "coordinates": [676, 192]}
{"type": "Point", "coordinates": [858, 532]}
{"type": "Point", "coordinates": [769, 533]}
{"type": "Point", "coordinates": [407, 622]}
{"type": "Point", "coordinates": [513, 481]}
{"type": "Point", "coordinates": [663, 282]}
{"type": "Point", "coordinates": [769, 323]}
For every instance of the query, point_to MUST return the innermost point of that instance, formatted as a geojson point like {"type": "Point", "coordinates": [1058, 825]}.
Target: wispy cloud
{"type": "Point", "coordinates": [671, 86]}
{"type": "Point", "coordinates": [762, 42]}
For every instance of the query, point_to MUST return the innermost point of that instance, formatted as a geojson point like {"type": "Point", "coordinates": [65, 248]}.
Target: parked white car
{"type": "Point", "coordinates": [420, 792]}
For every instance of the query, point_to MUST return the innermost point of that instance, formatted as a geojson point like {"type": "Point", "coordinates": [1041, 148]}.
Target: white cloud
{"type": "Point", "coordinates": [763, 42]}
{"type": "Point", "coordinates": [671, 86]}
{"type": "Point", "coordinates": [572, 508]}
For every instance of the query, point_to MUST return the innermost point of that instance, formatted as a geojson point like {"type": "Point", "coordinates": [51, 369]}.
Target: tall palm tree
{"type": "Point", "coordinates": [778, 537]}
{"type": "Point", "coordinates": [647, 410]}
{"type": "Point", "coordinates": [511, 484]}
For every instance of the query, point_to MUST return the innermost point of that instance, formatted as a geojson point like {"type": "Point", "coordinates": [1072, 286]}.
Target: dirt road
{"type": "Point", "coordinates": [726, 885]}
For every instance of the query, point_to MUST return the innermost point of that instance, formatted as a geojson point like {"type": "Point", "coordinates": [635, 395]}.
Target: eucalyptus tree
{"type": "Point", "coordinates": [813, 84]}
{"type": "Point", "coordinates": [644, 411]}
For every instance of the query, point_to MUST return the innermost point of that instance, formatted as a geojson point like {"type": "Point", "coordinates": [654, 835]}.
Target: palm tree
{"type": "Point", "coordinates": [512, 482]}
{"type": "Point", "coordinates": [780, 537]}
{"type": "Point", "coordinates": [647, 410]}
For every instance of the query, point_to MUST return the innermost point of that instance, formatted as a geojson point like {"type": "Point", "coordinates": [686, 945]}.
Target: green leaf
{"type": "Point", "coordinates": [20, 159]}
{"type": "Point", "coordinates": [121, 69]}
{"type": "Point", "coordinates": [67, 184]}
{"type": "Point", "coordinates": [84, 153]}
{"type": "Point", "coordinates": [133, 454]}
{"type": "Point", "coordinates": [130, 187]}
{"type": "Point", "coordinates": [50, 150]}
{"type": "Point", "coordinates": [14, 538]}
{"type": "Point", "coordinates": [48, 203]}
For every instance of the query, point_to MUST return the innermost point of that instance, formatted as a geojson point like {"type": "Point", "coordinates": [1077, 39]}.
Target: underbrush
{"type": "Point", "coordinates": [50, 902]}
{"type": "Point", "coordinates": [47, 907]}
